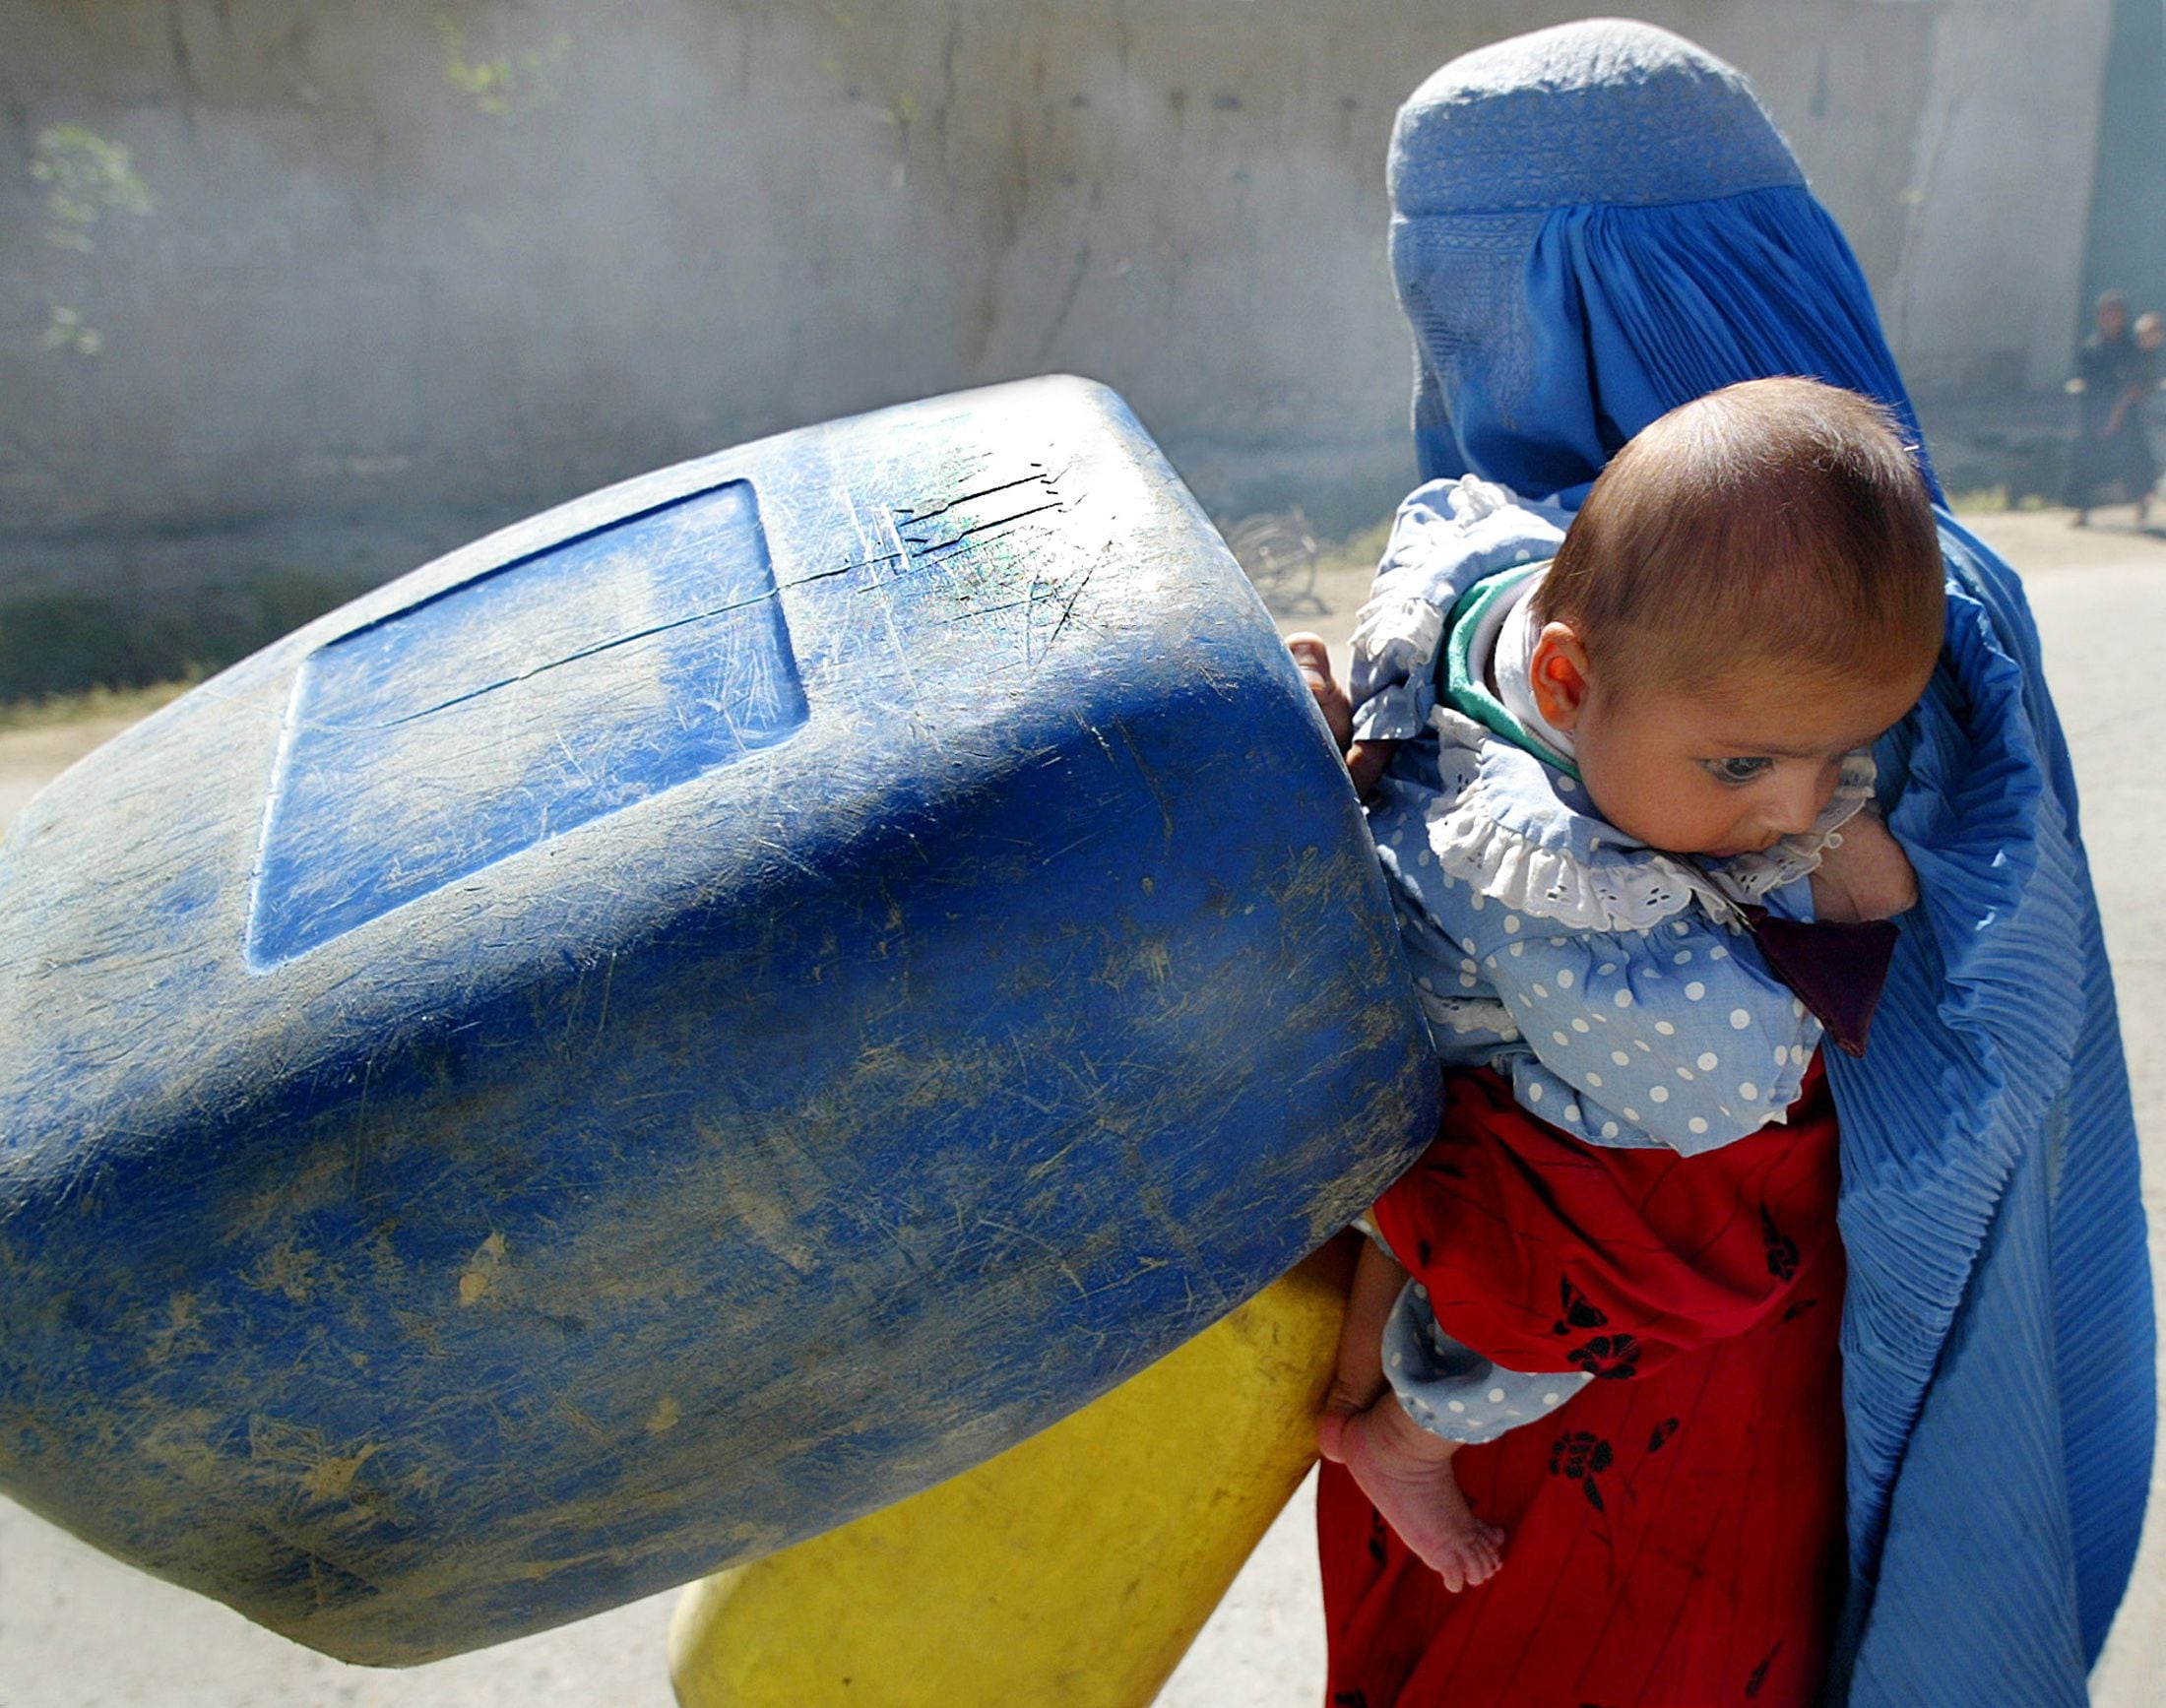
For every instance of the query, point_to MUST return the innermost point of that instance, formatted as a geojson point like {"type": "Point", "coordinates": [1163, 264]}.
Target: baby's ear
{"type": "Point", "coordinates": [1558, 675]}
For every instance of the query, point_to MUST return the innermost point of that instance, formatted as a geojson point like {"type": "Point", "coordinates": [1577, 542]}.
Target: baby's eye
{"type": "Point", "coordinates": [1738, 770]}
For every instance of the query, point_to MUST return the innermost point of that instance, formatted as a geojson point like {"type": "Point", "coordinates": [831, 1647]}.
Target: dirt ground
{"type": "Point", "coordinates": [31, 758]}
{"type": "Point", "coordinates": [77, 1629]}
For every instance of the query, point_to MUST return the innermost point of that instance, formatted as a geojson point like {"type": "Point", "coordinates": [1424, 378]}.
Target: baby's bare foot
{"type": "Point", "coordinates": [1407, 1473]}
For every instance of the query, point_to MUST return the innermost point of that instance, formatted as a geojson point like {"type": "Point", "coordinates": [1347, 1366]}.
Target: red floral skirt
{"type": "Point", "coordinates": [1675, 1532]}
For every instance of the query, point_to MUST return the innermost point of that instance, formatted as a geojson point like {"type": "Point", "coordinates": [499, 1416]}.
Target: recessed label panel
{"type": "Point", "coordinates": [576, 681]}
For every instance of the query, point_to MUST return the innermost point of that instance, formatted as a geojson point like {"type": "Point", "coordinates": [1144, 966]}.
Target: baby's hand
{"type": "Point", "coordinates": [1365, 760]}
{"type": "Point", "coordinates": [1867, 876]}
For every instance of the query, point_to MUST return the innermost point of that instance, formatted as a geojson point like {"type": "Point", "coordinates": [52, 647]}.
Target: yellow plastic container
{"type": "Point", "coordinates": [1072, 1571]}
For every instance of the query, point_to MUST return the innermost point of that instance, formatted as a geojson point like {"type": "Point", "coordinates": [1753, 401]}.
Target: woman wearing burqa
{"type": "Point", "coordinates": [1592, 225]}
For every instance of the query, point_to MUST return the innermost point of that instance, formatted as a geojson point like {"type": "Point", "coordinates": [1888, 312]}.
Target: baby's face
{"type": "Point", "coordinates": [1732, 770]}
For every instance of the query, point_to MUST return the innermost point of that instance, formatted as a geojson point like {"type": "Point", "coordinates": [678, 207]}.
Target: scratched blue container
{"type": "Point", "coordinates": [683, 1022]}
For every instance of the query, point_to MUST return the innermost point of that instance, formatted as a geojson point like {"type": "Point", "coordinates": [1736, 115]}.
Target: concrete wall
{"type": "Point", "coordinates": [375, 275]}
{"type": "Point", "coordinates": [2127, 251]}
{"type": "Point", "coordinates": [1985, 293]}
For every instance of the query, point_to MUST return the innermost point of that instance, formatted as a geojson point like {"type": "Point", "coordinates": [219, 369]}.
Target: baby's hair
{"type": "Point", "coordinates": [1778, 520]}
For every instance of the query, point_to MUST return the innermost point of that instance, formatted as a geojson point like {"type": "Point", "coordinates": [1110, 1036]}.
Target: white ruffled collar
{"type": "Point", "coordinates": [1505, 824]}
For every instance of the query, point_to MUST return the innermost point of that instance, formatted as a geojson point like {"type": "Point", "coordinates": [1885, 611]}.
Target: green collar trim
{"type": "Point", "coordinates": [1468, 689]}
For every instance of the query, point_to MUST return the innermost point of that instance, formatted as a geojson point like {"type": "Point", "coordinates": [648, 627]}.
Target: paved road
{"type": "Point", "coordinates": [77, 1629]}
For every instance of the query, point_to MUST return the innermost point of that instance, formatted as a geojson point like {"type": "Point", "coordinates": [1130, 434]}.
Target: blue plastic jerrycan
{"type": "Point", "coordinates": [682, 1023]}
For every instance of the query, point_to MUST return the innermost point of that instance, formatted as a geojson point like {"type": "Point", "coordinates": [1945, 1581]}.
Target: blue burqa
{"type": "Point", "coordinates": [1595, 223]}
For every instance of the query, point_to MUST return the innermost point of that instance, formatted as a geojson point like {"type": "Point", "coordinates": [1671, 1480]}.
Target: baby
{"type": "Point", "coordinates": [1615, 767]}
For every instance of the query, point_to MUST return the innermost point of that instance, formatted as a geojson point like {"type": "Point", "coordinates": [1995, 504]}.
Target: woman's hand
{"type": "Point", "coordinates": [1865, 876]}
{"type": "Point", "coordinates": [1365, 760]}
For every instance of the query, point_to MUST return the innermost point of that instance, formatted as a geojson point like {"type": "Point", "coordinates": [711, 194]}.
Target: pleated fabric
{"type": "Point", "coordinates": [1997, 1329]}
{"type": "Point", "coordinates": [1703, 294]}
{"type": "Point", "coordinates": [1991, 1210]}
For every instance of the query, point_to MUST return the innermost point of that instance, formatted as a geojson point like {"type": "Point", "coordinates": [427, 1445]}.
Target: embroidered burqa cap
{"type": "Point", "coordinates": [1592, 225]}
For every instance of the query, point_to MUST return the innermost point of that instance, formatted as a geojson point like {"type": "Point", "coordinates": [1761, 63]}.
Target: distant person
{"type": "Point", "coordinates": [2150, 341]}
{"type": "Point", "coordinates": [2113, 376]}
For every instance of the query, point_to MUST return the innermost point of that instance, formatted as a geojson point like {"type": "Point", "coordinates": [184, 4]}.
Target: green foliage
{"type": "Point", "coordinates": [64, 330]}
{"type": "Point", "coordinates": [504, 87]}
{"type": "Point", "coordinates": [64, 642]}
{"type": "Point", "coordinates": [1986, 500]}
{"type": "Point", "coordinates": [114, 704]}
{"type": "Point", "coordinates": [85, 177]}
